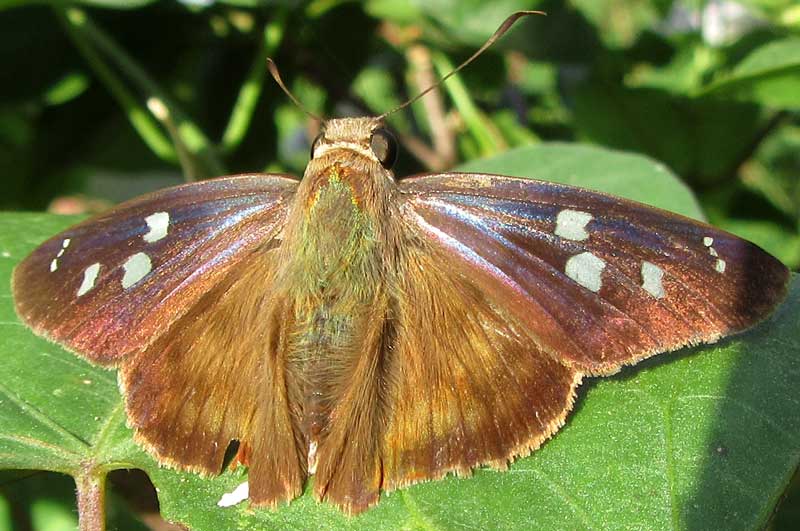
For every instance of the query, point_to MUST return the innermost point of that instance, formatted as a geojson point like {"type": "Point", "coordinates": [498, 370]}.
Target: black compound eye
{"type": "Point", "coordinates": [384, 147]}
{"type": "Point", "coordinates": [316, 142]}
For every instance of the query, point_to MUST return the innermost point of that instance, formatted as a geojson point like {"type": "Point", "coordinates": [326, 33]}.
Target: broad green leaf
{"type": "Point", "coordinates": [770, 75]}
{"type": "Point", "coordinates": [702, 438]}
{"type": "Point", "coordinates": [633, 176]}
{"type": "Point", "coordinates": [701, 139]}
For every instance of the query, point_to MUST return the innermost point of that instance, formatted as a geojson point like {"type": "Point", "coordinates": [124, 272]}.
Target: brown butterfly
{"type": "Point", "coordinates": [371, 331]}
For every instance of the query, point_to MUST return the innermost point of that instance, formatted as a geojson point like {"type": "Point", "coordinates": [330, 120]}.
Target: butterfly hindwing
{"type": "Point", "coordinates": [110, 285]}
{"type": "Point", "coordinates": [598, 281]}
{"type": "Point", "coordinates": [217, 375]}
{"type": "Point", "coordinates": [468, 386]}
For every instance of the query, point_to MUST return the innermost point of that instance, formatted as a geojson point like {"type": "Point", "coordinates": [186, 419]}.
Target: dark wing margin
{"type": "Point", "coordinates": [110, 285]}
{"type": "Point", "coordinates": [596, 281]}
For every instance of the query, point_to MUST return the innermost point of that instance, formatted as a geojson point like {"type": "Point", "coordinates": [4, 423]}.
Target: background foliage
{"type": "Point", "coordinates": [709, 89]}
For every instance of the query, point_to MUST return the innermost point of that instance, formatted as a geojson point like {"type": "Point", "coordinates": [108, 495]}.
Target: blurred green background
{"type": "Point", "coordinates": [709, 89]}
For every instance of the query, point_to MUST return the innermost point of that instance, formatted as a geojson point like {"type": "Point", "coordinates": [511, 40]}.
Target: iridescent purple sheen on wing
{"type": "Point", "coordinates": [618, 282]}
{"type": "Point", "coordinates": [211, 225]}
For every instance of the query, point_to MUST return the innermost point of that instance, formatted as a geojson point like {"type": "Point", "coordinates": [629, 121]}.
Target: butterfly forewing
{"type": "Point", "coordinates": [597, 281]}
{"type": "Point", "coordinates": [111, 285]}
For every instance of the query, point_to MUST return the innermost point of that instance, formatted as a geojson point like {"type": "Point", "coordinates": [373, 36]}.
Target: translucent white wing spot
{"type": "Point", "coordinates": [54, 261]}
{"type": "Point", "coordinates": [158, 224]}
{"type": "Point", "coordinates": [651, 279]}
{"type": "Point", "coordinates": [571, 224]}
{"type": "Point", "coordinates": [136, 268]}
{"type": "Point", "coordinates": [89, 278]}
{"type": "Point", "coordinates": [587, 270]}
{"type": "Point", "coordinates": [719, 266]}
{"type": "Point", "coordinates": [237, 495]}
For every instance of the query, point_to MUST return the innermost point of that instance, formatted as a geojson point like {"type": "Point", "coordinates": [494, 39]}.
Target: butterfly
{"type": "Point", "coordinates": [376, 332]}
{"type": "Point", "coordinates": [371, 331]}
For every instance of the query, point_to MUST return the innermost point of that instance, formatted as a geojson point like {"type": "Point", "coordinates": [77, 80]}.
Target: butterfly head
{"type": "Point", "coordinates": [345, 138]}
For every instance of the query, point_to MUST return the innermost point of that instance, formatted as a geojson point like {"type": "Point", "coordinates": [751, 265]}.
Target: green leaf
{"type": "Point", "coordinates": [620, 22]}
{"type": "Point", "coordinates": [702, 438]}
{"type": "Point", "coordinates": [633, 176]}
{"type": "Point", "coordinates": [770, 75]}
{"type": "Point", "coordinates": [692, 136]}
{"type": "Point", "coordinates": [470, 22]}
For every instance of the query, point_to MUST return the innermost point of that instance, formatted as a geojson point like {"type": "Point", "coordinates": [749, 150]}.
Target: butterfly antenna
{"type": "Point", "coordinates": [504, 27]}
{"type": "Point", "coordinates": [273, 70]}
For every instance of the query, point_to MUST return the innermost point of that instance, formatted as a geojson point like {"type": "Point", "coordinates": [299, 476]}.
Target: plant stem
{"type": "Point", "coordinates": [485, 133]}
{"type": "Point", "coordinates": [444, 142]}
{"type": "Point", "coordinates": [139, 117]}
{"type": "Point", "coordinates": [251, 89]}
{"type": "Point", "coordinates": [203, 151]}
{"type": "Point", "coordinates": [91, 490]}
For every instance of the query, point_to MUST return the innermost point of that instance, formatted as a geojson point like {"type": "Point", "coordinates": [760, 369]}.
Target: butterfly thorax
{"type": "Point", "coordinates": [335, 243]}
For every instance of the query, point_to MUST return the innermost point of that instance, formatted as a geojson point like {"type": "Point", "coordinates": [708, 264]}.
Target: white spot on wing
{"type": "Point", "coordinates": [136, 267]}
{"type": "Point", "coordinates": [720, 264]}
{"type": "Point", "coordinates": [158, 224]}
{"type": "Point", "coordinates": [54, 262]}
{"type": "Point", "coordinates": [89, 277]}
{"type": "Point", "coordinates": [586, 269]}
{"type": "Point", "coordinates": [651, 279]}
{"type": "Point", "coordinates": [571, 224]}
{"type": "Point", "coordinates": [238, 495]}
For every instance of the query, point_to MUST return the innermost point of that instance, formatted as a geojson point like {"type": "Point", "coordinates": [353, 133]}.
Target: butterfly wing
{"type": "Point", "coordinates": [189, 322]}
{"type": "Point", "coordinates": [597, 280]}
{"type": "Point", "coordinates": [108, 286]}
{"type": "Point", "coordinates": [513, 289]}
{"type": "Point", "coordinates": [217, 375]}
{"type": "Point", "coordinates": [466, 385]}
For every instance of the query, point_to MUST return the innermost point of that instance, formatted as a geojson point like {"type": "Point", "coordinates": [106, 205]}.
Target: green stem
{"type": "Point", "coordinates": [251, 89]}
{"type": "Point", "coordinates": [139, 117]}
{"type": "Point", "coordinates": [488, 138]}
{"type": "Point", "coordinates": [203, 151]}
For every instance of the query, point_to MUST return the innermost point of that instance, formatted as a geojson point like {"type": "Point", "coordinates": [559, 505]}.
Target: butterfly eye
{"type": "Point", "coordinates": [384, 146]}
{"type": "Point", "coordinates": [316, 142]}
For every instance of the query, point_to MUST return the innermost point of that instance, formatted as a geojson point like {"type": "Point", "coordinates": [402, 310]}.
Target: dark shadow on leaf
{"type": "Point", "coordinates": [759, 394]}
